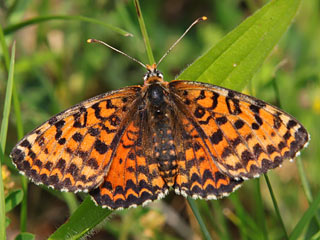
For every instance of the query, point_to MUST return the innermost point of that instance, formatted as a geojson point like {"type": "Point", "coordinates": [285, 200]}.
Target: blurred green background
{"type": "Point", "coordinates": [56, 68]}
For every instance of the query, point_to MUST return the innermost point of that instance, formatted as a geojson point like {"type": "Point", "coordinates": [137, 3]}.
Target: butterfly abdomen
{"type": "Point", "coordinates": [165, 153]}
{"type": "Point", "coordinates": [162, 134]}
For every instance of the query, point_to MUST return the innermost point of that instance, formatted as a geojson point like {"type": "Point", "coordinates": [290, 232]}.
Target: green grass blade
{"type": "Point", "coordinates": [24, 180]}
{"type": "Point", "coordinates": [3, 136]}
{"type": "Point", "coordinates": [304, 221]}
{"type": "Point", "coordinates": [316, 236]}
{"type": "Point", "coordinates": [211, 218]}
{"type": "Point", "coordinates": [20, 133]}
{"type": "Point", "coordinates": [24, 205]}
{"type": "Point", "coordinates": [4, 48]}
{"type": "Point", "coordinates": [196, 213]}
{"type": "Point", "coordinates": [3, 219]}
{"type": "Point", "coordinates": [82, 221]}
{"type": "Point", "coordinates": [235, 59]}
{"type": "Point", "coordinates": [247, 225]}
{"type": "Point", "coordinates": [127, 22]}
{"type": "Point", "coordinates": [17, 112]}
{"type": "Point", "coordinates": [71, 201]}
{"type": "Point", "coordinates": [13, 199]}
{"type": "Point", "coordinates": [224, 232]}
{"type": "Point", "coordinates": [37, 20]}
{"type": "Point", "coordinates": [7, 102]}
{"type": "Point", "coordinates": [275, 204]}
{"type": "Point", "coordinates": [261, 218]}
{"type": "Point", "coordinates": [306, 186]}
{"type": "Point", "coordinates": [7, 105]}
{"type": "Point", "coordinates": [144, 32]}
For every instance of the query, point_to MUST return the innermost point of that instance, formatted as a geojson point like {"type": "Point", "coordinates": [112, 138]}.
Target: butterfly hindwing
{"type": "Point", "coordinates": [72, 150]}
{"type": "Point", "coordinates": [197, 174]}
{"type": "Point", "coordinates": [133, 177]}
{"type": "Point", "coordinates": [245, 136]}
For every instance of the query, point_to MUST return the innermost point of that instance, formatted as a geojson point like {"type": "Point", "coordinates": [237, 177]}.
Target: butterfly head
{"type": "Point", "coordinates": [152, 74]}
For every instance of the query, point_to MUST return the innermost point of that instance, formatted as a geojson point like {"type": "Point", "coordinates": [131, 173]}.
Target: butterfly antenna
{"type": "Point", "coordinates": [92, 40]}
{"type": "Point", "coordinates": [204, 18]}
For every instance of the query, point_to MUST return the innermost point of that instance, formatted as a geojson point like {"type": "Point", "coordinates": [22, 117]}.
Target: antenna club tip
{"type": "Point", "coordinates": [204, 18]}
{"type": "Point", "coordinates": [90, 40]}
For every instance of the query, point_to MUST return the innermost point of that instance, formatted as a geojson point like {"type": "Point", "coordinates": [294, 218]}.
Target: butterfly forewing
{"type": "Point", "coordinates": [245, 136]}
{"type": "Point", "coordinates": [72, 150]}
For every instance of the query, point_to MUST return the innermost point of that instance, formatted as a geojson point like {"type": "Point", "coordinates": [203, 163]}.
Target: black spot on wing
{"type": "Point", "coordinates": [101, 147]}
{"type": "Point", "coordinates": [254, 108]}
{"type": "Point", "coordinates": [77, 137]}
{"type": "Point", "coordinates": [59, 124]}
{"type": "Point", "coordinates": [216, 137]}
{"type": "Point", "coordinates": [239, 124]}
{"type": "Point", "coordinates": [221, 120]}
{"type": "Point", "coordinates": [62, 141]}
{"type": "Point", "coordinates": [258, 119]}
{"type": "Point", "coordinates": [255, 126]}
{"type": "Point", "coordinates": [93, 131]}
{"type": "Point", "coordinates": [25, 143]}
{"type": "Point", "coordinates": [291, 124]}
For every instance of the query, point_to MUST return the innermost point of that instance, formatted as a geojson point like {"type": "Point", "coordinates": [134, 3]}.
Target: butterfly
{"type": "Point", "coordinates": [131, 146]}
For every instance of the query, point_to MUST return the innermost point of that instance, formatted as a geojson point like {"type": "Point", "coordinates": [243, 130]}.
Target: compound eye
{"type": "Point", "coordinates": [160, 75]}
{"type": "Point", "coordinates": [145, 77]}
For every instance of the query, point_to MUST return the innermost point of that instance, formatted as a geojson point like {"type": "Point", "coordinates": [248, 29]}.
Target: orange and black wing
{"type": "Point", "coordinates": [133, 177]}
{"type": "Point", "coordinates": [197, 175]}
{"type": "Point", "coordinates": [73, 150]}
{"type": "Point", "coordinates": [242, 135]}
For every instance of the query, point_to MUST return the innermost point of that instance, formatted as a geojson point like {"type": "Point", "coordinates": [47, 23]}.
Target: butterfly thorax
{"type": "Point", "coordinates": [160, 124]}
